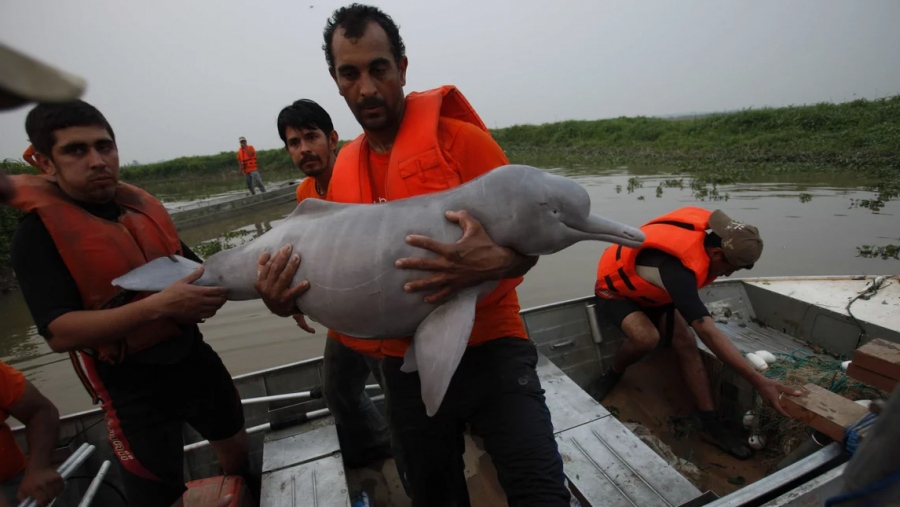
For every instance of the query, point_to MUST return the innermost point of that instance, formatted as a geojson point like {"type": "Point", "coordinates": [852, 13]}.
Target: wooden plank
{"type": "Point", "coordinates": [871, 378]}
{"type": "Point", "coordinates": [823, 410]}
{"type": "Point", "coordinates": [879, 356]}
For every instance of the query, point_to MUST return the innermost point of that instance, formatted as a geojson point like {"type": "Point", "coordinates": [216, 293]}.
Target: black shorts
{"type": "Point", "coordinates": [146, 406]}
{"type": "Point", "coordinates": [614, 312]}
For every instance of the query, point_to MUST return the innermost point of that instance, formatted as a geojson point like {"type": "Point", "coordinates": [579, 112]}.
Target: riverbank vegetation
{"type": "Point", "coordinates": [860, 137]}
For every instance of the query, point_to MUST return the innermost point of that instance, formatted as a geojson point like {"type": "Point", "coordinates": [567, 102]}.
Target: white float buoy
{"type": "Point", "coordinates": [844, 365]}
{"type": "Point", "coordinates": [749, 420]}
{"type": "Point", "coordinates": [766, 356]}
{"type": "Point", "coordinates": [756, 442]}
{"type": "Point", "coordinates": [757, 362]}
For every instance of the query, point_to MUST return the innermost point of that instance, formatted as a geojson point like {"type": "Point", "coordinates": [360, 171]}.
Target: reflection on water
{"type": "Point", "coordinates": [808, 222]}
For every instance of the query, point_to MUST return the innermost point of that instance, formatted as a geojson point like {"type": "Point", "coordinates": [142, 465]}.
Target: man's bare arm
{"type": "Point", "coordinates": [722, 347]}
{"type": "Point", "coordinates": [187, 304]}
{"type": "Point", "coordinates": [41, 419]}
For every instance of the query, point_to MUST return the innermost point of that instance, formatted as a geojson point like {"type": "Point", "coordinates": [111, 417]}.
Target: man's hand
{"type": "Point", "coordinates": [474, 259]}
{"type": "Point", "coordinates": [771, 392]}
{"type": "Point", "coordinates": [43, 485]}
{"type": "Point", "coordinates": [300, 319]}
{"type": "Point", "coordinates": [190, 304]}
{"type": "Point", "coordinates": [274, 275]}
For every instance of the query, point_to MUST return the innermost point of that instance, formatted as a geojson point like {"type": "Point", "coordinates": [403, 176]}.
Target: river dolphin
{"type": "Point", "coordinates": [348, 254]}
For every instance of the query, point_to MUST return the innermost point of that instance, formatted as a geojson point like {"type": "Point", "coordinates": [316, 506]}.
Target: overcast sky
{"type": "Point", "coordinates": [189, 77]}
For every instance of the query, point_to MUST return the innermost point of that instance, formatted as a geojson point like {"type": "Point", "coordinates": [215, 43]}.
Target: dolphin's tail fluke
{"type": "Point", "coordinates": [157, 274]}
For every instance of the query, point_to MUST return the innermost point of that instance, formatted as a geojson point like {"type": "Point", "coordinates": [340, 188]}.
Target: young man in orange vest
{"type": "Point", "coordinates": [419, 144]}
{"type": "Point", "coordinates": [246, 156]}
{"type": "Point", "coordinates": [311, 141]}
{"type": "Point", "coordinates": [34, 477]}
{"type": "Point", "coordinates": [652, 294]}
{"type": "Point", "coordinates": [141, 355]}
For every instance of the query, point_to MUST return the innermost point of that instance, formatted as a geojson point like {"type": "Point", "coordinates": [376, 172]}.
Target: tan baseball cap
{"type": "Point", "coordinates": [24, 79]}
{"type": "Point", "coordinates": [741, 242]}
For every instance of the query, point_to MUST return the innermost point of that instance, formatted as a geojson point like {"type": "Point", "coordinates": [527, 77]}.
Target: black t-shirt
{"type": "Point", "coordinates": [677, 280]}
{"type": "Point", "coordinates": [50, 291]}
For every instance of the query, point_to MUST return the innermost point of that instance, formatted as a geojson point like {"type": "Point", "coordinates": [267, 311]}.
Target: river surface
{"type": "Point", "coordinates": [809, 223]}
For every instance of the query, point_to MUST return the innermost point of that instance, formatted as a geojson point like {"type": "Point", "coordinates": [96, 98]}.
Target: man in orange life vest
{"type": "Point", "coordinates": [34, 477]}
{"type": "Point", "coordinates": [311, 141]}
{"type": "Point", "coordinates": [651, 293]}
{"type": "Point", "coordinates": [419, 144]}
{"type": "Point", "coordinates": [141, 355]}
{"type": "Point", "coordinates": [246, 156]}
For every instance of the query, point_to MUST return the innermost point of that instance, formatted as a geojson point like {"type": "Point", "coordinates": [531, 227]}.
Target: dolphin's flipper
{"type": "Point", "coordinates": [157, 274]}
{"type": "Point", "coordinates": [440, 343]}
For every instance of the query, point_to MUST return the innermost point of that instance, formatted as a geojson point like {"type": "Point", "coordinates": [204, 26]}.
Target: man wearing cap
{"type": "Point", "coordinates": [246, 156]}
{"type": "Point", "coordinates": [652, 294]}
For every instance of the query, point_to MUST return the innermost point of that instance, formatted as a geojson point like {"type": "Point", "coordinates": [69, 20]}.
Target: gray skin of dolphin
{"type": "Point", "coordinates": [348, 254]}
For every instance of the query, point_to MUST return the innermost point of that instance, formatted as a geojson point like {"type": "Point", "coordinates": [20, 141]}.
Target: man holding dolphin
{"type": "Point", "coordinates": [141, 355]}
{"type": "Point", "coordinates": [419, 144]}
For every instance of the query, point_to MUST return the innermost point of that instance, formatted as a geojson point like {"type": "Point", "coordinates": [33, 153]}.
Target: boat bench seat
{"type": "Point", "coordinates": [604, 462]}
{"type": "Point", "coordinates": [303, 466]}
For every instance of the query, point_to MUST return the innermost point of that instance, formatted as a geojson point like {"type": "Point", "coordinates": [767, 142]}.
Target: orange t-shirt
{"type": "Point", "coordinates": [307, 189]}
{"type": "Point", "coordinates": [473, 152]}
{"type": "Point", "coordinates": [12, 385]}
{"type": "Point", "coordinates": [28, 156]}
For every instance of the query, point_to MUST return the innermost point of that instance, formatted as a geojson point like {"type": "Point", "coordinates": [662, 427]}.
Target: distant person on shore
{"type": "Point", "coordinates": [33, 477]}
{"type": "Point", "coordinates": [246, 156]}
{"type": "Point", "coordinates": [310, 139]}
{"type": "Point", "coordinates": [652, 294]}
{"type": "Point", "coordinates": [140, 355]}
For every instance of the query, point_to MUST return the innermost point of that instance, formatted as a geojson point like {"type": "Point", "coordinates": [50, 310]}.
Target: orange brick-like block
{"type": "Point", "coordinates": [881, 357]}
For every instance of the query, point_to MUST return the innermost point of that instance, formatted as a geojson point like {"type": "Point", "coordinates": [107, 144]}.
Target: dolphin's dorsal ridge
{"type": "Point", "coordinates": [316, 207]}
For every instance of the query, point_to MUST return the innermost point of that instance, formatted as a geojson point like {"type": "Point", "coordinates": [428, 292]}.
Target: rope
{"type": "Point", "coordinates": [869, 292]}
{"type": "Point", "coordinates": [852, 433]}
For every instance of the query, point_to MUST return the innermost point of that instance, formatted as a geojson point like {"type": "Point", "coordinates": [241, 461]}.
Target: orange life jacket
{"type": "Point", "coordinates": [96, 250]}
{"type": "Point", "coordinates": [417, 166]}
{"type": "Point", "coordinates": [12, 459]}
{"type": "Point", "coordinates": [679, 233]}
{"type": "Point", "coordinates": [28, 156]}
{"type": "Point", "coordinates": [247, 159]}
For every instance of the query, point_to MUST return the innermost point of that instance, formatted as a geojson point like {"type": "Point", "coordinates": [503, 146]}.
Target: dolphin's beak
{"type": "Point", "coordinates": [598, 228]}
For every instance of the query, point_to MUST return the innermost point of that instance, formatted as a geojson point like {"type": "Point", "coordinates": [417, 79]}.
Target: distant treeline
{"type": "Point", "coordinates": [862, 134]}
